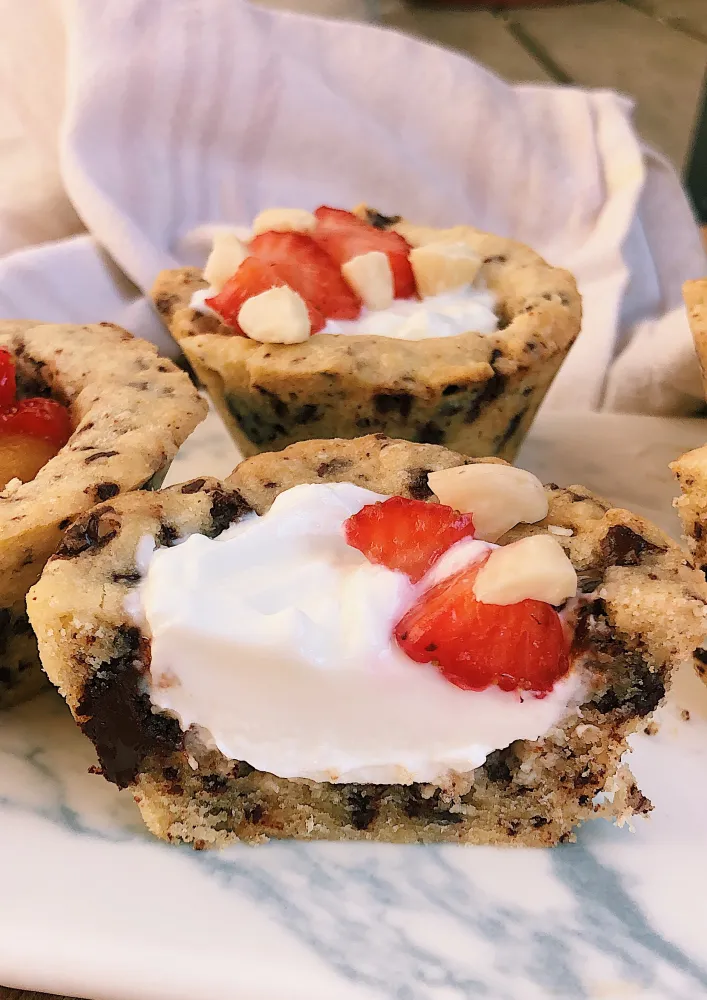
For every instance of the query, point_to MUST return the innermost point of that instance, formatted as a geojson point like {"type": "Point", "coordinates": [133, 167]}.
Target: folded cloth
{"type": "Point", "coordinates": [185, 112]}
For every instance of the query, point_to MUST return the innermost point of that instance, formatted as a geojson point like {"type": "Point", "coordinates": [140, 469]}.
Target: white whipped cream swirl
{"type": "Point", "coordinates": [276, 638]}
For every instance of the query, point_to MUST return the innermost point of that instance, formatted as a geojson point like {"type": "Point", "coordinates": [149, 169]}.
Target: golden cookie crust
{"type": "Point", "coordinates": [475, 393]}
{"type": "Point", "coordinates": [131, 410]}
{"type": "Point", "coordinates": [691, 469]}
{"type": "Point", "coordinates": [643, 613]}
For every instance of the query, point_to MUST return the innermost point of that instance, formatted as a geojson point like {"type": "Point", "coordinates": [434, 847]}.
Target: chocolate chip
{"type": "Point", "coordinates": [583, 800]}
{"type": "Point", "coordinates": [253, 812]}
{"type": "Point", "coordinates": [167, 535]}
{"type": "Point", "coordinates": [497, 767]}
{"type": "Point", "coordinates": [307, 414]}
{"type": "Point", "coordinates": [99, 454]}
{"type": "Point", "coordinates": [279, 405]}
{"type": "Point", "coordinates": [333, 467]}
{"type": "Point", "coordinates": [380, 221]}
{"type": "Point", "coordinates": [511, 429]}
{"type": "Point", "coordinates": [633, 687]}
{"type": "Point", "coordinates": [118, 714]}
{"type": "Point", "coordinates": [64, 523]}
{"type": "Point", "coordinates": [194, 486]}
{"type": "Point", "coordinates": [538, 821]}
{"type": "Point", "coordinates": [622, 546]}
{"type": "Point", "coordinates": [430, 433]}
{"type": "Point", "coordinates": [125, 577]}
{"type": "Point", "coordinates": [589, 582]}
{"type": "Point", "coordinates": [491, 391]}
{"type": "Point", "coordinates": [363, 806]}
{"type": "Point", "coordinates": [258, 428]}
{"type": "Point", "coordinates": [226, 507]}
{"type": "Point", "coordinates": [91, 531]}
{"type": "Point", "coordinates": [391, 402]}
{"type": "Point", "coordinates": [104, 491]}
{"type": "Point", "coordinates": [165, 303]}
{"type": "Point", "coordinates": [428, 809]}
{"type": "Point", "coordinates": [418, 487]}
{"type": "Point", "coordinates": [214, 783]}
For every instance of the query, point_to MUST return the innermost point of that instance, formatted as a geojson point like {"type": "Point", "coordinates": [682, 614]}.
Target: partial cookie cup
{"type": "Point", "coordinates": [130, 410]}
{"type": "Point", "coordinates": [475, 393]}
{"type": "Point", "coordinates": [691, 469]}
{"type": "Point", "coordinates": [642, 613]}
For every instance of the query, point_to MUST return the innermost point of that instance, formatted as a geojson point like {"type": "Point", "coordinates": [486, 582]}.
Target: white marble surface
{"type": "Point", "coordinates": [91, 906]}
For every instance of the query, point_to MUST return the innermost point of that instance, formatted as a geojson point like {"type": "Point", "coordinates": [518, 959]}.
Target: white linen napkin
{"type": "Point", "coordinates": [185, 112]}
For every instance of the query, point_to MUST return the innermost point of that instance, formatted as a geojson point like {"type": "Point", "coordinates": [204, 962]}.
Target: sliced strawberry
{"type": "Point", "coordinates": [406, 535]}
{"type": "Point", "coordinates": [7, 380]}
{"type": "Point", "coordinates": [252, 277]}
{"type": "Point", "coordinates": [41, 418]}
{"type": "Point", "coordinates": [344, 236]}
{"type": "Point", "coordinates": [516, 646]}
{"type": "Point", "coordinates": [311, 272]}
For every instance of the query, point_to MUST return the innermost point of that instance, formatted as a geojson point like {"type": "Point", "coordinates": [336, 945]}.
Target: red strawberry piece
{"type": "Point", "coordinates": [311, 272]}
{"type": "Point", "coordinates": [344, 236]}
{"type": "Point", "coordinates": [406, 535]}
{"type": "Point", "coordinates": [252, 277]}
{"type": "Point", "coordinates": [7, 380]}
{"type": "Point", "coordinates": [42, 418]}
{"type": "Point", "coordinates": [516, 646]}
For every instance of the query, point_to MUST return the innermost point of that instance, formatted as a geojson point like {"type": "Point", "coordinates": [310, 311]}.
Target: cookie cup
{"type": "Point", "coordinates": [474, 393]}
{"type": "Point", "coordinates": [642, 613]}
{"type": "Point", "coordinates": [130, 410]}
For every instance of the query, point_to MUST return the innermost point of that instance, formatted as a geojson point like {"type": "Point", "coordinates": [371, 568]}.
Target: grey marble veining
{"type": "Point", "coordinates": [410, 923]}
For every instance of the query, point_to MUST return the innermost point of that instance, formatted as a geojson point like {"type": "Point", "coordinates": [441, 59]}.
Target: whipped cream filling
{"type": "Point", "coordinates": [275, 639]}
{"type": "Point", "coordinates": [461, 311]}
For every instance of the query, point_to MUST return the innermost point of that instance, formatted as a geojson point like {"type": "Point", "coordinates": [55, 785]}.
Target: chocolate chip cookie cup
{"type": "Point", "coordinates": [638, 611]}
{"type": "Point", "coordinates": [128, 410]}
{"type": "Point", "coordinates": [476, 393]}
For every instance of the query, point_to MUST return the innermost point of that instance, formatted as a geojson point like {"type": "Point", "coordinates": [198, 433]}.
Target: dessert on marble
{"type": "Point", "coordinates": [86, 412]}
{"type": "Point", "coordinates": [336, 324]}
{"type": "Point", "coordinates": [317, 648]}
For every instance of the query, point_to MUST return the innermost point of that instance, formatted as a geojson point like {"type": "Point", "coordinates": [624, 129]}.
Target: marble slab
{"type": "Point", "coordinates": [91, 906]}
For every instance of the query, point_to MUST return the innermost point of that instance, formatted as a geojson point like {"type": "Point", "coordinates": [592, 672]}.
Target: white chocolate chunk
{"type": "Point", "coordinates": [284, 220]}
{"type": "Point", "coordinates": [371, 277]}
{"type": "Point", "coordinates": [278, 316]}
{"type": "Point", "coordinates": [441, 267]}
{"type": "Point", "coordinates": [226, 257]}
{"type": "Point", "coordinates": [499, 496]}
{"type": "Point", "coordinates": [533, 568]}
